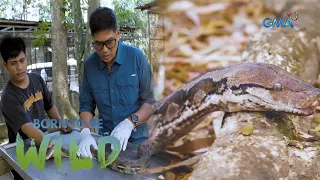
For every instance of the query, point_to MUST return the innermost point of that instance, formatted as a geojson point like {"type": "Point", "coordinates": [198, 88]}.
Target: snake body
{"type": "Point", "coordinates": [242, 87]}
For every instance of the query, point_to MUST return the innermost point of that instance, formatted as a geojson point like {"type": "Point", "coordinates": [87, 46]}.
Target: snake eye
{"type": "Point", "coordinates": [277, 87]}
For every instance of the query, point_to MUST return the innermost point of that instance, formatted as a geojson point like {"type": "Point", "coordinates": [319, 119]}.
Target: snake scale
{"type": "Point", "coordinates": [241, 87]}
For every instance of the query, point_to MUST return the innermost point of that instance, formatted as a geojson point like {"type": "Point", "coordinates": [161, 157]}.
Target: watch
{"type": "Point", "coordinates": [134, 118]}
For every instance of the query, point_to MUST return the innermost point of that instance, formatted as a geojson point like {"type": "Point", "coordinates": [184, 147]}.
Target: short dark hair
{"type": "Point", "coordinates": [11, 47]}
{"type": "Point", "coordinates": [101, 19]}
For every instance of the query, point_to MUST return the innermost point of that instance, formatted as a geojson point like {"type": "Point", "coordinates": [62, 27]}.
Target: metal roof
{"type": "Point", "coordinates": [152, 7]}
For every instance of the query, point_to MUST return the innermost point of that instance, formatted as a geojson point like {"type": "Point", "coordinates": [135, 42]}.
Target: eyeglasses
{"type": "Point", "coordinates": [111, 43]}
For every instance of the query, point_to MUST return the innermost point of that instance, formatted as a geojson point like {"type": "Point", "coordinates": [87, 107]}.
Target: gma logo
{"type": "Point", "coordinates": [271, 23]}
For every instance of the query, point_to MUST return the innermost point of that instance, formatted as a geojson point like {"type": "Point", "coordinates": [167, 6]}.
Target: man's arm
{"type": "Point", "coordinates": [51, 109]}
{"type": "Point", "coordinates": [86, 100]}
{"type": "Point", "coordinates": [17, 119]}
{"type": "Point", "coordinates": [32, 133]}
{"type": "Point", "coordinates": [53, 113]}
{"type": "Point", "coordinates": [124, 129]}
{"type": "Point", "coordinates": [87, 116]}
{"type": "Point", "coordinates": [146, 91]}
{"type": "Point", "coordinates": [144, 113]}
{"type": "Point", "coordinates": [87, 107]}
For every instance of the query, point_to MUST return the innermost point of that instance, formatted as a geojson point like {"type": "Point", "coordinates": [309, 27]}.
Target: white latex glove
{"type": "Point", "coordinates": [122, 132]}
{"type": "Point", "coordinates": [86, 140]}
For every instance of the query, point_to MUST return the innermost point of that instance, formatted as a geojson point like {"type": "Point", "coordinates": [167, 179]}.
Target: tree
{"type": "Point", "coordinates": [59, 59]}
{"type": "Point", "coordinates": [78, 35]}
{"type": "Point", "coordinates": [92, 5]}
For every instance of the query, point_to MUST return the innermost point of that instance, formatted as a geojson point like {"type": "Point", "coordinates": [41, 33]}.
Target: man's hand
{"type": "Point", "coordinates": [86, 140]}
{"type": "Point", "coordinates": [68, 129]}
{"type": "Point", "coordinates": [123, 132]}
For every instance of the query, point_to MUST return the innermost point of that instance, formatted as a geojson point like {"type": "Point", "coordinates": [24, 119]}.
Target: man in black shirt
{"type": "Point", "coordinates": [25, 96]}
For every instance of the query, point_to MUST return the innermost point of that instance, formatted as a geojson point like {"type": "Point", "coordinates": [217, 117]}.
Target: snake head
{"type": "Point", "coordinates": [127, 165]}
{"type": "Point", "coordinates": [131, 166]}
{"type": "Point", "coordinates": [266, 87]}
{"type": "Point", "coordinates": [134, 166]}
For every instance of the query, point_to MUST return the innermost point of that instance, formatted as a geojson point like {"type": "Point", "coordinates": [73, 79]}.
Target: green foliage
{"type": "Point", "coordinates": [67, 6]}
{"type": "Point", "coordinates": [3, 6]}
{"type": "Point", "coordinates": [28, 2]}
{"type": "Point", "coordinates": [126, 15]}
{"type": "Point", "coordinates": [7, 5]}
{"type": "Point", "coordinates": [129, 17]}
{"type": "Point", "coordinates": [83, 8]}
{"type": "Point", "coordinates": [69, 22]}
{"type": "Point", "coordinates": [44, 11]}
{"type": "Point", "coordinates": [42, 31]}
{"type": "Point", "coordinates": [69, 14]}
{"type": "Point", "coordinates": [40, 34]}
{"type": "Point", "coordinates": [84, 2]}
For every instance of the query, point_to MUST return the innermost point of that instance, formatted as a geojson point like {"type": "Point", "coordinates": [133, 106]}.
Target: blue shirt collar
{"type": "Point", "coordinates": [118, 59]}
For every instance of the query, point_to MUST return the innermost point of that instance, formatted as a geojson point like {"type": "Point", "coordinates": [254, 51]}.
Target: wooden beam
{"type": "Point", "coordinates": [7, 28]}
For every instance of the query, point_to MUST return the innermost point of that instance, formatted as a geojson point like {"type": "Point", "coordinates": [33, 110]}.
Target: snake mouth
{"type": "Point", "coordinates": [306, 111]}
{"type": "Point", "coordinates": [303, 111]}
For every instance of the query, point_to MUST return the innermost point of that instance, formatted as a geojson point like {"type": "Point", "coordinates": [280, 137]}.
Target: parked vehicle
{"type": "Point", "coordinates": [45, 70]}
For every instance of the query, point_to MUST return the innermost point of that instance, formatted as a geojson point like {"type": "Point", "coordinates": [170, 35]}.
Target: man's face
{"type": "Point", "coordinates": [17, 67]}
{"type": "Point", "coordinates": [106, 44]}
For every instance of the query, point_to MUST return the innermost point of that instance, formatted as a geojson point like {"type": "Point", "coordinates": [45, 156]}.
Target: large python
{"type": "Point", "coordinates": [241, 87]}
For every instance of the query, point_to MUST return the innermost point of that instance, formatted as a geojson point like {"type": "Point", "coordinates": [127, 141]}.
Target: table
{"type": "Point", "coordinates": [8, 152]}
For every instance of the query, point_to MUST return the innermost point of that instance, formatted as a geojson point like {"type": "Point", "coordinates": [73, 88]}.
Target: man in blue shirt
{"type": "Point", "coordinates": [117, 79]}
